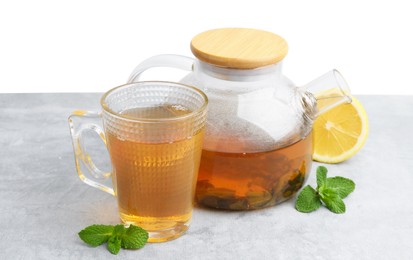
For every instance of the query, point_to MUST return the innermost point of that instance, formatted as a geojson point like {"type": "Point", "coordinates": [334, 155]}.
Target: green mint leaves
{"type": "Point", "coordinates": [96, 235]}
{"type": "Point", "coordinates": [330, 191]}
{"type": "Point", "coordinates": [117, 237]}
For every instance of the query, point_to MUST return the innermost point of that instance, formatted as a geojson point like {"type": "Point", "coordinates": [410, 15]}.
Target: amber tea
{"type": "Point", "coordinates": [155, 182]}
{"type": "Point", "coordinates": [243, 181]}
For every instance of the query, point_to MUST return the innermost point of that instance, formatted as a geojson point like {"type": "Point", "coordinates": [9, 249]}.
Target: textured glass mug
{"type": "Point", "coordinates": [154, 133]}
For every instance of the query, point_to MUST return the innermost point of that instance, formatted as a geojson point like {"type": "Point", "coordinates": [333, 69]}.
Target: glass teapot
{"type": "Point", "coordinates": [258, 144]}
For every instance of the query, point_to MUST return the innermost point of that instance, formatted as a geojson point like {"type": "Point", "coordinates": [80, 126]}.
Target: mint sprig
{"type": "Point", "coordinates": [117, 237]}
{"type": "Point", "coordinates": [330, 191]}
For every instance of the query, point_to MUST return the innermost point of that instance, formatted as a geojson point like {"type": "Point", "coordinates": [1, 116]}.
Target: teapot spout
{"type": "Point", "coordinates": [325, 93]}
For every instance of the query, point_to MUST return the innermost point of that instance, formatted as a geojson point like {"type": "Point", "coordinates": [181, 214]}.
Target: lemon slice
{"type": "Point", "coordinates": [340, 132]}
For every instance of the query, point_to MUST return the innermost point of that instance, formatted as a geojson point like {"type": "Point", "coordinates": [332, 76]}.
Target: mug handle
{"type": "Point", "coordinates": [163, 60]}
{"type": "Point", "coordinates": [81, 121]}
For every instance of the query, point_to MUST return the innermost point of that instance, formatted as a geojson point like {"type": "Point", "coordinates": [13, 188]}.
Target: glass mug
{"type": "Point", "coordinates": [154, 133]}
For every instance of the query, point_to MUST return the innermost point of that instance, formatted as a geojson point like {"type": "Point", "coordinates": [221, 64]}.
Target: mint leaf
{"type": "Point", "coordinates": [332, 200]}
{"type": "Point", "coordinates": [114, 243]}
{"type": "Point", "coordinates": [321, 176]}
{"type": "Point", "coordinates": [308, 200]}
{"type": "Point", "coordinates": [119, 230]}
{"type": "Point", "coordinates": [342, 186]}
{"type": "Point", "coordinates": [96, 235]}
{"type": "Point", "coordinates": [134, 237]}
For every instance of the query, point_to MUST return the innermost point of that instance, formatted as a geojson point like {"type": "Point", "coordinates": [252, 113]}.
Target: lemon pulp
{"type": "Point", "coordinates": [340, 132]}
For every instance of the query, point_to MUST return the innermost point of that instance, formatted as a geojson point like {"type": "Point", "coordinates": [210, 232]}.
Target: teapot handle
{"type": "Point", "coordinates": [163, 60]}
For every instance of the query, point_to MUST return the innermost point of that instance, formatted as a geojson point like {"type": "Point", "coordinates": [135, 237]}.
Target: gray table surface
{"type": "Point", "coordinates": [43, 203]}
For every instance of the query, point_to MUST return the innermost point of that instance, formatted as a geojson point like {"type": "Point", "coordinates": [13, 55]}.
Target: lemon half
{"type": "Point", "coordinates": [340, 132]}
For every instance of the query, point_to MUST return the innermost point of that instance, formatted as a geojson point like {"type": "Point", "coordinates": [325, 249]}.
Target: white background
{"type": "Point", "coordinates": [92, 46]}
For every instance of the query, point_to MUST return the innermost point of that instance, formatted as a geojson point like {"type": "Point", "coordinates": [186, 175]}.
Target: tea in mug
{"type": "Point", "coordinates": [155, 181]}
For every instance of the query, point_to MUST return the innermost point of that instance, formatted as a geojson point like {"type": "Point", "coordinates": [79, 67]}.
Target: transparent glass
{"type": "Point", "coordinates": [154, 133]}
{"type": "Point", "coordinates": [258, 143]}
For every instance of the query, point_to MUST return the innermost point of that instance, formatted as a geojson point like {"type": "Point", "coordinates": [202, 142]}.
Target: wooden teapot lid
{"type": "Point", "coordinates": [239, 48]}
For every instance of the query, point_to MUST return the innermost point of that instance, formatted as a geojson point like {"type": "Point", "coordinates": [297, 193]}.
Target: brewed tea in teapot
{"type": "Point", "coordinates": [258, 141]}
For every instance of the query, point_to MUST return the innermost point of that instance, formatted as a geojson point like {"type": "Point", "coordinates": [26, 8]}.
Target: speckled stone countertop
{"type": "Point", "coordinates": [43, 203]}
